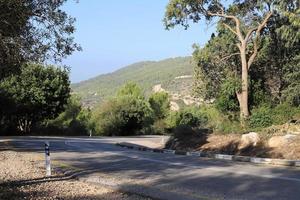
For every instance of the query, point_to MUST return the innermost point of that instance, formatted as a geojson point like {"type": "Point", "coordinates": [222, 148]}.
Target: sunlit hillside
{"type": "Point", "coordinates": [146, 74]}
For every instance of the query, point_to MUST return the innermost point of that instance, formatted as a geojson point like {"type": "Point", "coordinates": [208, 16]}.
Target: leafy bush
{"type": "Point", "coordinates": [36, 94]}
{"type": "Point", "coordinates": [282, 113]}
{"type": "Point", "coordinates": [159, 127]}
{"type": "Point", "coordinates": [227, 101]}
{"type": "Point", "coordinates": [261, 117]}
{"type": "Point", "coordinates": [131, 89]}
{"type": "Point", "coordinates": [188, 119]}
{"type": "Point", "coordinates": [125, 115]}
{"type": "Point", "coordinates": [172, 120]}
{"type": "Point", "coordinates": [76, 127]}
{"type": "Point", "coordinates": [265, 116]}
{"type": "Point", "coordinates": [257, 95]}
{"type": "Point", "coordinates": [75, 120]}
{"type": "Point", "coordinates": [220, 122]}
{"type": "Point", "coordinates": [160, 104]}
{"type": "Point", "coordinates": [191, 116]}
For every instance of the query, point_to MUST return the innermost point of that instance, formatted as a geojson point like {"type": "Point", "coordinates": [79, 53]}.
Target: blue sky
{"type": "Point", "coordinates": [116, 33]}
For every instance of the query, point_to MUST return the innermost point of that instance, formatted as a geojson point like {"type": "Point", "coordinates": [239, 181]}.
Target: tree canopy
{"type": "Point", "coordinates": [36, 94]}
{"type": "Point", "coordinates": [243, 27]}
{"type": "Point", "coordinates": [34, 30]}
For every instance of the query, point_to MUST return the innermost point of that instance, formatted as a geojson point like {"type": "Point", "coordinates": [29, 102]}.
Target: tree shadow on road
{"type": "Point", "coordinates": [166, 175]}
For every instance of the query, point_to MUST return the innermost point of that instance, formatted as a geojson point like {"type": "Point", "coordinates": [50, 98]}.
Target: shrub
{"type": "Point", "coordinates": [76, 127]}
{"type": "Point", "coordinates": [228, 126]}
{"type": "Point", "coordinates": [160, 104]}
{"type": "Point", "coordinates": [265, 116]}
{"type": "Point", "coordinates": [220, 122]}
{"type": "Point", "coordinates": [227, 101]}
{"type": "Point", "coordinates": [75, 120]}
{"type": "Point", "coordinates": [283, 113]}
{"type": "Point", "coordinates": [187, 118]}
{"type": "Point", "coordinates": [125, 115]}
{"type": "Point", "coordinates": [190, 116]}
{"type": "Point", "coordinates": [159, 127]}
{"type": "Point", "coordinates": [261, 117]}
{"type": "Point", "coordinates": [36, 94]}
{"type": "Point", "coordinates": [172, 120]}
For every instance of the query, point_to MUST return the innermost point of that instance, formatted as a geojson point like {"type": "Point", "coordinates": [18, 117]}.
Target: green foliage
{"type": "Point", "coordinates": [266, 115]}
{"type": "Point", "coordinates": [261, 117]}
{"type": "Point", "coordinates": [227, 101]}
{"type": "Point", "coordinates": [291, 93]}
{"type": "Point", "coordinates": [172, 119]}
{"type": "Point", "coordinates": [190, 116]}
{"type": "Point", "coordinates": [220, 59]}
{"type": "Point", "coordinates": [159, 127]}
{"type": "Point", "coordinates": [72, 110]}
{"type": "Point", "coordinates": [258, 96]}
{"type": "Point", "coordinates": [145, 74]}
{"type": "Point", "coordinates": [36, 94]}
{"type": "Point", "coordinates": [75, 120]}
{"type": "Point", "coordinates": [216, 62]}
{"type": "Point", "coordinates": [160, 104]}
{"type": "Point", "coordinates": [221, 122]}
{"type": "Point", "coordinates": [282, 113]}
{"type": "Point", "coordinates": [131, 89]}
{"type": "Point", "coordinates": [33, 31]}
{"type": "Point", "coordinates": [125, 114]}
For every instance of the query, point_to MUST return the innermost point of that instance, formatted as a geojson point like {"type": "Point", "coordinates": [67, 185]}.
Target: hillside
{"type": "Point", "coordinates": [173, 74]}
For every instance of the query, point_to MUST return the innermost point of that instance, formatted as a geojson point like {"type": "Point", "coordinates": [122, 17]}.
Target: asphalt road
{"type": "Point", "coordinates": [166, 176]}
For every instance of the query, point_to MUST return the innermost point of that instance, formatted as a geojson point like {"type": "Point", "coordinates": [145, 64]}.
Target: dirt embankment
{"type": "Point", "coordinates": [22, 177]}
{"type": "Point", "coordinates": [274, 142]}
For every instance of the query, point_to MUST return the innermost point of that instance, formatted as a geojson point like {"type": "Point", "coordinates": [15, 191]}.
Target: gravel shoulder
{"type": "Point", "coordinates": [22, 177]}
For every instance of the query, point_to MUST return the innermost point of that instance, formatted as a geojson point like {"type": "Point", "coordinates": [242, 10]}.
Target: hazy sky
{"type": "Point", "coordinates": [115, 33]}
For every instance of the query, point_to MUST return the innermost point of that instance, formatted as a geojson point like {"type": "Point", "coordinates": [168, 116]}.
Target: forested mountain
{"type": "Point", "coordinates": [146, 74]}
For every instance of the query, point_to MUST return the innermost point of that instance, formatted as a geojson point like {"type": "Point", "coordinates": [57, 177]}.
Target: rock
{"type": "Point", "coordinates": [289, 137]}
{"type": "Point", "coordinates": [174, 106]}
{"type": "Point", "coordinates": [249, 139]}
{"type": "Point", "coordinates": [278, 141]}
{"type": "Point", "coordinates": [158, 88]}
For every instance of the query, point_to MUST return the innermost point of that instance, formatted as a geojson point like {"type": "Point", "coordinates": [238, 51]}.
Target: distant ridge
{"type": "Point", "coordinates": [146, 74]}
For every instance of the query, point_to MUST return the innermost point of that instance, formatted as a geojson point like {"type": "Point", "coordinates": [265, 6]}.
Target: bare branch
{"type": "Point", "coordinates": [236, 20]}
{"type": "Point", "coordinates": [229, 56]}
{"type": "Point", "coordinates": [257, 36]}
{"type": "Point", "coordinates": [231, 29]}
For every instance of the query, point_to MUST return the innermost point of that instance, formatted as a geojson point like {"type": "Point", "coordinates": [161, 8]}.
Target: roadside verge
{"type": "Point", "coordinates": [256, 160]}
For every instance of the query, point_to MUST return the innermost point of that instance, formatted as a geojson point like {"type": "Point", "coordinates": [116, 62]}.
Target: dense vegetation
{"type": "Point", "coordinates": [32, 32]}
{"type": "Point", "coordinates": [249, 69]}
{"type": "Point", "coordinates": [251, 63]}
{"type": "Point", "coordinates": [36, 94]}
{"type": "Point", "coordinates": [146, 74]}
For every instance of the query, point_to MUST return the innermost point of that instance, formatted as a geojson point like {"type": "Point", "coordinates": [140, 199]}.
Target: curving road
{"type": "Point", "coordinates": [165, 176]}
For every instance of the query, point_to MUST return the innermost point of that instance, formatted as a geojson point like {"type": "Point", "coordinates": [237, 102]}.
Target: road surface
{"type": "Point", "coordinates": [166, 176]}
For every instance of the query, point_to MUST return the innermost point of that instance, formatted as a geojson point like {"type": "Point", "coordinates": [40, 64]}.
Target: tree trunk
{"type": "Point", "coordinates": [24, 125]}
{"type": "Point", "coordinates": [243, 94]}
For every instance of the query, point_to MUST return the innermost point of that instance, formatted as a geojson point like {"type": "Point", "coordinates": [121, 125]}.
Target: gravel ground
{"type": "Point", "coordinates": [22, 177]}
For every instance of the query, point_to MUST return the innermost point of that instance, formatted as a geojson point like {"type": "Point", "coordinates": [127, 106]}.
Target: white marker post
{"type": "Point", "coordinates": [47, 158]}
